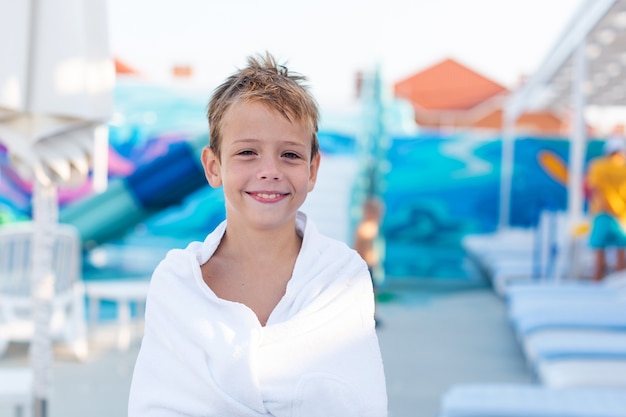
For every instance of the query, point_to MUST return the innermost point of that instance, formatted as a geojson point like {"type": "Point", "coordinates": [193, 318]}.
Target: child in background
{"type": "Point", "coordinates": [606, 181]}
{"type": "Point", "coordinates": [367, 232]}
{"type": "Point", "coordinates": [266, 317]}
{"type": "Point", "coordinates": [365, 239]}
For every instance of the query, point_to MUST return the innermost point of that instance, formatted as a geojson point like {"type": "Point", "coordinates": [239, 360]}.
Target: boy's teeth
{"type": "Point", "coordinates": [263, 195]}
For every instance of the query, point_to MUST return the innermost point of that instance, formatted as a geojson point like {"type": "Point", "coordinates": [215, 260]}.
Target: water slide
{"type": "Point", "coordinates": [152, 187]}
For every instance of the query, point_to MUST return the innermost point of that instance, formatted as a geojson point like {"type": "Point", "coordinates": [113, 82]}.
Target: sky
{"type": "Point", "coordinates": [330, 41]}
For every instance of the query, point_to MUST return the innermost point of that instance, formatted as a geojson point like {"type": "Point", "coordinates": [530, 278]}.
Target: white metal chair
{"type": "Point", "coordinates": [16, 391]}
{"type": "Point", "coordinates": [67, 321]}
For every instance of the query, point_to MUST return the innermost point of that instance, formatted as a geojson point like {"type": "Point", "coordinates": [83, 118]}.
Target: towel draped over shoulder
{"type": "Point", "coordinates": [318, 354]}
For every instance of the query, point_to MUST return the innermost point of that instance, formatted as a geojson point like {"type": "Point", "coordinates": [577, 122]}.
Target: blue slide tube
{"type": "Point", "coordinates": [164, 182]}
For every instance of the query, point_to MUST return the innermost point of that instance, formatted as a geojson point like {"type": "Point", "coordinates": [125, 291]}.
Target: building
{"type": "Point", "coordinates": [451, 96]}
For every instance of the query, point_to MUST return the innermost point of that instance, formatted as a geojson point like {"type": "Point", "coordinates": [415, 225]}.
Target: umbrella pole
{"type": "Point", "coordinates": [45, 217]}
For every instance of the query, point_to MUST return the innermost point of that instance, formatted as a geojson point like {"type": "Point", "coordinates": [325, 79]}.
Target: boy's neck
{"type": "Point", "coordinates": [264, 244]}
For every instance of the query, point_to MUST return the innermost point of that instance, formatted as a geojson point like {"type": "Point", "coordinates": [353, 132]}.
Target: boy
{"type": "Point", "coordinates": [266, 317]}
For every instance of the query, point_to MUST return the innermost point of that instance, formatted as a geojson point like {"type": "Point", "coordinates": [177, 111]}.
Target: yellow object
{"type": "Point", "coordinates": [582, 229]}
{"type": "Point", "coordinates": [554, 166]}
{"type": "Point", "coordinates": [606, 178]}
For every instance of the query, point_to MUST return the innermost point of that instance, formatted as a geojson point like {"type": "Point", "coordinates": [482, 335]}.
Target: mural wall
{"type": "Point", "coordinates": [440, 187]}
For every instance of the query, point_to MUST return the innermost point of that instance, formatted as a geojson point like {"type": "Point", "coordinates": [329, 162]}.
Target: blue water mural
{"type": "Point", "coordinates": [443, 187]}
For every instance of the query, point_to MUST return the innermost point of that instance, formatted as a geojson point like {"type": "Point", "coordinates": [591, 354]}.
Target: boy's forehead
{"type": "Point", "coordinates": [242, 116]}
{"type": "Point", "coordinates": [250, 104]}
{"type": "Point", "coordinates": [244, 108]}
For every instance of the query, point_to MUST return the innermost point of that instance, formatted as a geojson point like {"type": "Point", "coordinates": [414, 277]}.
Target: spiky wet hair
{"type": "Point", "coordinates": [264, 81]}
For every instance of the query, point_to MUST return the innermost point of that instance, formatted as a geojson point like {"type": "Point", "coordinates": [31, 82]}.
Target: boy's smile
{"type": "Point", "coordinates": [265, 165]}
{"type": "Point", "coordinates": [268, 197]}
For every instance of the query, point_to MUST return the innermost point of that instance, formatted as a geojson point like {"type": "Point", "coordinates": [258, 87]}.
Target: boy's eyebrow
{"type": "Point", "coordinates": [286, 142]}
{"type": "Point", "coordinates": [245, 140]}
{"type": "Point", "coordinates": [304, 145]}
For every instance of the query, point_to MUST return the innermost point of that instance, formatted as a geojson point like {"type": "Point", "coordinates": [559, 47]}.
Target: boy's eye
{"type": "Point", "coordinates": [291, 155]}
{"type": "Point", "coordinates": [246, 152]}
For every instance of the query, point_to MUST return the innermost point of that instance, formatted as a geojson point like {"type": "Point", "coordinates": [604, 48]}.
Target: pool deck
{"type": "Point", "coordinates": [433, 338]}
{"type": "Point", "coordinates": [430, 338]}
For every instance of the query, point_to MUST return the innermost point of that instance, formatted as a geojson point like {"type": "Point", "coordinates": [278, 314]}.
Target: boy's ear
{"type": "Point", "coordinates": [315, 166]}
{"type": "Point", "coordinates": [211, 166]}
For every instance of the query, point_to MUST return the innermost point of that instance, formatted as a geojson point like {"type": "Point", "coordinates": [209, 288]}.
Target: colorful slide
{"type": "Point", "coordinates": [152, 187]}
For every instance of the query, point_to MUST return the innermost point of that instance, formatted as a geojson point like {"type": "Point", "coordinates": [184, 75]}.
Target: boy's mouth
{"type": "Point", "coordinates": [267, 195]}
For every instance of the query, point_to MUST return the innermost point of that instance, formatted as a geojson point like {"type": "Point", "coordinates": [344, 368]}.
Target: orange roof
{"type": "Point", "coordinates": [121, 68]}
{"type": "Point", "coordinates": [182, 71]}
{"type": "Point", "coordinates": [447, 85]}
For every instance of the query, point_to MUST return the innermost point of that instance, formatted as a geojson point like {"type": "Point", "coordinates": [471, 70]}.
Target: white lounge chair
{"type": "Point", "coordinates": [68, 320]}
{"type": "Point", "coordinates": [552, 345]}
{"type": "Point", "coordinates": [568, 306]}
{"type": "Point", "coordinates": [573, 335]}
{"type": "Point", "coordinates": [583, 373]}
{"type": "Point", "coordinates": [610, 285]}
{"type": "Point", "coordinates": [585, 315]}
{"type": "Point", "coordinates": [577, 358]}
{"type": "Point", "coordinates": [516, 400]}
{"type": "Point", "coordinates": [524, 255]}
{"type": "Point", "coordinates": [531, 307]}
{"type": "Point", "coordinates": [518, 309]}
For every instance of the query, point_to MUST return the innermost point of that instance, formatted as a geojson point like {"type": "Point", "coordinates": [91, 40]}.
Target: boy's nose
{"type": "Point", "coordinates": [269, 169]}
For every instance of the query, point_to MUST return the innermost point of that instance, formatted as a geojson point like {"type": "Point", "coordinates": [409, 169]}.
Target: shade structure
{"type": "Point", "coordinates": [585, 67]}
{"type": "Point", "coordinates": [56, 83]}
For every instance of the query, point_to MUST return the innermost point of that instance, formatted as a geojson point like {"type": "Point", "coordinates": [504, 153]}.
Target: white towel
{"type": "Point", "coordinates": [318, 354]}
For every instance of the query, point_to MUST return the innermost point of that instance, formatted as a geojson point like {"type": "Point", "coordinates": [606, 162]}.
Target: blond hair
{"type": "Point", "coordinates": [264, 81]}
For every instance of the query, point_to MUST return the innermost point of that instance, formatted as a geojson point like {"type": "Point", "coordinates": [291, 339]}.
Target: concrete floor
{"type": "Point", "coordinates": [431, 340]}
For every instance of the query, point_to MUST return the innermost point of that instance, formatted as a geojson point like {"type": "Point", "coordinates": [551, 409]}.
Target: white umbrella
{"type": "Point", "coordinates": [56, 82]}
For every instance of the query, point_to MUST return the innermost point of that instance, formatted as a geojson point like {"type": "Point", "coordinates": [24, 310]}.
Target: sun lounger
{"type": "Point", "coordinates": [567, 288]}
{"type": "Point", "coordinates": [516, 400]}
{"type": "Point", "coordinates": [568, 306]}
{"type": "Point", "coordinates": [572, 344]}
{"type": "Point", "coordinates": [529, 306]}
{"type": "Point", "coordinates": [531, 256]}
{"type": "Point", "coordinates": [573, 341]}
{"type": "Point", "coordinates": [581, 373]}
{"type": "Point", "coordinates": [509, 242]}
{"type": "Point", "coordinates": [589, 315]}
{"type": "Point", "coordinates": [519, 308]}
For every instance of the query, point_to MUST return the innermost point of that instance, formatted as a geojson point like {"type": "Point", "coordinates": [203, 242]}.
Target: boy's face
{"type": "Point", "coordinates": [265, 166]}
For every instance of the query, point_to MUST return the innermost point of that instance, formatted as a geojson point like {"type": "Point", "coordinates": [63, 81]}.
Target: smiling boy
{"type": "Point", "coordinates": [266, 167]}
{"type": "Point", "coordinates": [266, 317]}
